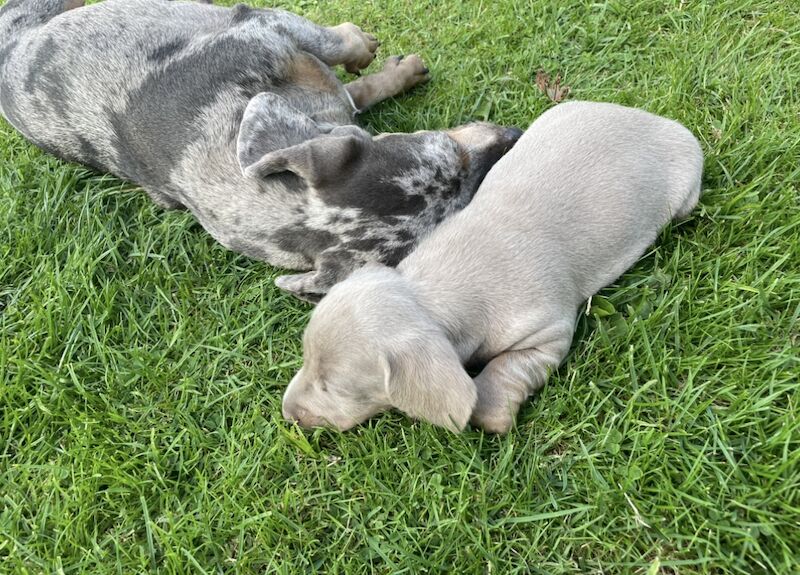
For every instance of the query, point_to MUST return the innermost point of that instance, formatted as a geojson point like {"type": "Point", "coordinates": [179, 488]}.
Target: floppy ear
{"type": "Point", "coordinates": [317, 161]}
{"type": "Point", "coordinates": [425, 379]}
{"type": "Point", "coordinates": [270, 123]}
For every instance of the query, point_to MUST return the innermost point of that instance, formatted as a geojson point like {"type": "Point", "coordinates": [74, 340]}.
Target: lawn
{"type": "Point", "coordinates": [143, 364]}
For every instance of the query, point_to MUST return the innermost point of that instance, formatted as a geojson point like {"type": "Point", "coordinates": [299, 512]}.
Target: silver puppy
{"type": "Point", "coordinates": [236, 115]}
{"type": "Point", "coordinates": [574, 204]}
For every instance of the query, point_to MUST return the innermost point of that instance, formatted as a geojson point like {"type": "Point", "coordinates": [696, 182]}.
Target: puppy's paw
{"type": "Point", "coordinates": [493, 421]}
{"type": "Point", "coordinates": [360, 46]}
{"type": "Point", "coordinates": [411, 70]}
{"type": "Point", "coordinates": [306, 286]}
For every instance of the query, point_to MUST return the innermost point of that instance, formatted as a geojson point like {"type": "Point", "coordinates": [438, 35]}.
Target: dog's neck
{"type": "Point", "coordinates": [458, 313]}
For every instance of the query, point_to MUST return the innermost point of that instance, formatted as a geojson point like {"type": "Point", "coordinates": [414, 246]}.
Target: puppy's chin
{"type": "Point", "coordinates": [339, 424]}
{"type": "Point", "coordinates": [348, 423]}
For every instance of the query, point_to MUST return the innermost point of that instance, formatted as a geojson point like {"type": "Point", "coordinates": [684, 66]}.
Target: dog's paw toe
{"type": "Point", "coordinates": [371, 42]}
{"type": "Point", "coordinates": [493, 422]}
{"type": "Point", "coordinates": [416, 70]}
{"type": "Point", "coordinates": [361, 46]}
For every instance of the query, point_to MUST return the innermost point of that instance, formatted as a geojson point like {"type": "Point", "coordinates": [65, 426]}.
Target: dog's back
{"type": "Point", "coordinates": [574, 204]}
{"type": "Point", "coordinates": [101, 84]}
{"type": "Point", "coordinates": [599, 180]}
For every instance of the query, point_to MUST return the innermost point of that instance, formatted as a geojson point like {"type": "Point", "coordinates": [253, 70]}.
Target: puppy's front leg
{"type": "Point", "coordinates": [398, 75]}
{"type": "Point", "coordinates": [508, 379]}
{"type": "Point", "coordinates": [332, 266]}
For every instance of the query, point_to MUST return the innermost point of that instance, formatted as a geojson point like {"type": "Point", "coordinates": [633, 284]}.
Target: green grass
{"type": "Point", "coordinates": [143, 365]}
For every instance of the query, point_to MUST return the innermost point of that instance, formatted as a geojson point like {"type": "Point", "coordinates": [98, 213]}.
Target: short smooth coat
{"type": "Point", "coordinates": [236, 115]}
{"type": "Point", "coordinates": [574, 204]}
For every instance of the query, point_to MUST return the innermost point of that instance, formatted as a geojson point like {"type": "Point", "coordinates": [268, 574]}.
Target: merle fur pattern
{"type": "Point", "coordinates": [236, 115]}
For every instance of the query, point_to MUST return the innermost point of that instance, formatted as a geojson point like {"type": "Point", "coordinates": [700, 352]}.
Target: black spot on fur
{"type": "Point", "coordinates": [32, 14]}
{"type": "Point", "coordinates": [340, 219]}
{"type": "Point", "coordinates": [45, 78]}
{"type": "Point", "coordinates": [164, 108]}
{"type": "Point", "coordinates": [372, 198]}
{"type": "Point", "coordinates": [241, 13]}
{"type": "Point", "coordinates": [235, 125]}
{"type": "Point", "coordinates": [87, 150]}
{"type": "Point", "coordinates": [392, 256]}
{"type": "Point", "coordinates": [5, 50]}
{"type": "Point", "coordinates": [250, 85]}
{"type": "Point", "coordinates": [301, 239]}
{"type": "Point", "coordinates": [404, 236]}
{"type": "Point", "coordinates": [390, 194]}
{"type": "Point", "coordinates": [166, 51]}
{"type": "Point", "coordinates": [88, 154]}
{"type": "Point", "coordinates": [128, 164]}
{"type": "Point", "coordinates": [364, 244]}
{"type": "Point", "coordinates": [40, 63]}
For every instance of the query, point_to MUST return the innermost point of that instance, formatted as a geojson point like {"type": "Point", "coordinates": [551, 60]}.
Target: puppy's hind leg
{"type": "Point", "coordinates": [344, 44]}
{"type": "Point", "coordinates": [399, 74]}
{"type": "Point", "coordinates": [508, 379]}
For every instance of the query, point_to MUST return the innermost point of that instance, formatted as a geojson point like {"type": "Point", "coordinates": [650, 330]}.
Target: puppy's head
{"type": "Point", "coordinates": [370, 347]}
{"type": "Point", "coordinates": [484, 144]}
{"type": "Point", "coordinates": [383, 176]}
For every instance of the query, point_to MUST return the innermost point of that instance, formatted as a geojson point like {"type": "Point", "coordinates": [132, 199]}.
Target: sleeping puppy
{"type": "Point", "coordinates": [236, 115]}
{"type": "Point", "coordinates": [574, 204]}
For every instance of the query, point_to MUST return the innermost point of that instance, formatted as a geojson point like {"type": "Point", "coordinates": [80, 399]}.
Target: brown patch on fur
{"type": "Point", "coordinates": [400, 73]}
{"type": "Point", "coordinates": [463, 155]}
{"type": "Point", "coordinates": [308, 72]}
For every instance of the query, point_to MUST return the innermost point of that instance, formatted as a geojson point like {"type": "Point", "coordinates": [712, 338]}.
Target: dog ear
{"type": "Point", "coordinates": [275, 137]}
{"type": "Point", "coordinates": [317, 161]}
{"type": "Point", "coordinates": [425, 379]}
{"type": "Point", "coordinates": [270, 123]}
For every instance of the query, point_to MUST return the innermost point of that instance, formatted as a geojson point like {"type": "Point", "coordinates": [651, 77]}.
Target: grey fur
{"type": "Point", "coordinates": [577, 201]}
{"type": "Point", "coordinates": [236, 115]}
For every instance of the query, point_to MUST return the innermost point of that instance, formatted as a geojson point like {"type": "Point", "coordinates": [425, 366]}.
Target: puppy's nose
{"type": "Point", "coordinates": [513, 133]}
{"type": "Point", "coordinates": [293, 413]}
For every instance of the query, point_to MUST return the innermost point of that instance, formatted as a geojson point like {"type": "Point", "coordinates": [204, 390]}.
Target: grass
{"type": "Point", "coordinates": [143, 365]}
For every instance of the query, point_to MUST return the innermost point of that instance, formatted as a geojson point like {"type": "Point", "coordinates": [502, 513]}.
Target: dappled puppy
{"type": "Point", "coordinates": [577, 201]}
{"type": "Point", "coordinates": [236, 115]}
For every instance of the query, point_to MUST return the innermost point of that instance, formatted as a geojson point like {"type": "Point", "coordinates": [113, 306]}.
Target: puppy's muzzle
{"type": "Point", "coordinates": [512, 134]}
{"type": "Point", "coordinates": [295, 414]}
